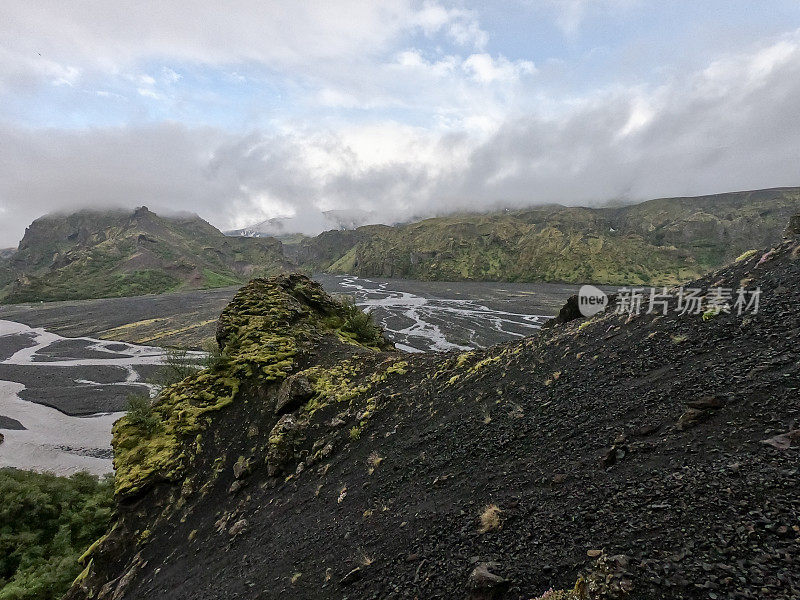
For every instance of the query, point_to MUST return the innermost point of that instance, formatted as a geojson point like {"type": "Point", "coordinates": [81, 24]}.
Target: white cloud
{"type": "Point", "coordinates": [486, 133]}
{"type": "Point", "coordinates": [281, 34]}
{"type": "Point", "coordinates": [149, 93]}
{"type": "Point", "coordinates": [485, 69]}
{"type": "Point", "coordinates": [461, 26]}
{"type": "Point", "coordinates": [683, 138]}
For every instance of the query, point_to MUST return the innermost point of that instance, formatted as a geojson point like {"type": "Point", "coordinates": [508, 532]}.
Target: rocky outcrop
{"type": "Point", "coordinates": [794, 226]}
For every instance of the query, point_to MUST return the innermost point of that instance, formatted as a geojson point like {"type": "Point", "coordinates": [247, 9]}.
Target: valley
{"type": "Point", "coordinates": [60, 395]}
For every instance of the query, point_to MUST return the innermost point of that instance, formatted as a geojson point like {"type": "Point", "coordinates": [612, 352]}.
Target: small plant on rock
{"type": "Point", "coordinates": [178, 365]}
{"type": "Point", "coordinates": [141, 414]}
{"type": "Point", "coordinates": [360, 324]}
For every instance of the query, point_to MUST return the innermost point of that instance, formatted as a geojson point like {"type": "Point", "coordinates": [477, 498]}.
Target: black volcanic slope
{"type": "Point", "coordinates": [628, 454]}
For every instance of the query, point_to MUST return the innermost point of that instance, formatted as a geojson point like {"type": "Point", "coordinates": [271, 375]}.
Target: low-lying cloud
{"type": "Point", "coordinates": [733, 125]}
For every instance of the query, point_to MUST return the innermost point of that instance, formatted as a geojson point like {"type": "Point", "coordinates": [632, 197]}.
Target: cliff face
{"type": "Point", "coordinates": [661, 241]}
{"type": "Point", "coordinates": [93, 254]}
{"type": "Point", "coordinates": [648, 455]}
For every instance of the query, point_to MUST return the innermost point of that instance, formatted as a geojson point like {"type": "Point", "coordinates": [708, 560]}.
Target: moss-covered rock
{"type": "Point", "coordinates": [262, 333]}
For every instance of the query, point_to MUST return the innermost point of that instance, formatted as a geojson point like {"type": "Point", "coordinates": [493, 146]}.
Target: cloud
{"type": "Point", "coordinates": [43, 39]}
{"type": "Point", "coordinates": [485, 69]}
{"type": "Point", "coordinates": [731, 125]}
{"type": "Point", "coordinates": [570, 14]}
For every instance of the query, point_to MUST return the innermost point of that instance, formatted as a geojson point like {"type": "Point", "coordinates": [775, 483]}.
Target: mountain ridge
{"type": "Point", "coordinates": [94, 254]}
{"type": "Point", "coordinates": [660, 241]}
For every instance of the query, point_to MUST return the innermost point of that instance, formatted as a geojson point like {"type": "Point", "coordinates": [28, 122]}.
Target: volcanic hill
{"type": "Point", "coordinates": [98, 254]}
{"type": "Point", "coordinates": [640, 456]}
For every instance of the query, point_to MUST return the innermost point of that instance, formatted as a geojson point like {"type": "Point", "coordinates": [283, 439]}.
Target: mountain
{"type": "Point", "coordinates": [95, 254]}
{"type": "Point", "coordinates": [659, 241]}
{"type": "Point", "coordinates": [280, 227]}
{"type": "Point", "coordinates": [648, 456]}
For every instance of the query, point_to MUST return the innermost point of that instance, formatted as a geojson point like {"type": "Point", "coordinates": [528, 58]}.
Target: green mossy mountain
{"type": "Point", "coordinates": [647, 456]}
{"type": "Point", "coordinates": [98, 254]}
{"type": "Point", "coordinates": [94, 254]}
{"type": "Point", "coordinates": [656, 242]}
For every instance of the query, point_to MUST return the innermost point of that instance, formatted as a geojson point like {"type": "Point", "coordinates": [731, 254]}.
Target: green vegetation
{"type": "Point", "coordinates": [746, 255]}
{"type": "Point", "coordinates": [92, 254]}
{"type": "Point", "coordinates": [178, 365]}
{"type": "Point", "coordinates": [46, 524]}
{"type": "Point", "coordinates": [660, 242]}
{"type": "Point", "coordinates": [141, 414]}
{"type": "Point", "coordinates": [360, 324]}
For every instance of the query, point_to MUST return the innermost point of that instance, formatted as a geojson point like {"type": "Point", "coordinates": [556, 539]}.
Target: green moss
{"type": "Point", "coordinates": [261, 331]}
{"type": "Point", "coordinates": [746, 255]}
{"type": "Point", "coordinates": [400, 367]}
{"type": "Point", "coordinates": [481, 364]}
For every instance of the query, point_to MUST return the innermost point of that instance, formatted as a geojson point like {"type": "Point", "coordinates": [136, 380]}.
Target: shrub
{"type": "Point", "coordinates": [216, 358]}
{"type": "Point", "coordinates": [178, 365]}
{"type": "Point", "coordinates": [360, 324]}
{"type": "Point", "coordinates": [46, 523]}
{"type": "Point", "coordinates": [490, 518]}
{"type": "Point", "coordinates": [141, 413]}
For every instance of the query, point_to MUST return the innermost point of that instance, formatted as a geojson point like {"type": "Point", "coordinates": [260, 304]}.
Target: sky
{"type": "Point", "coordinates": [389, 110]}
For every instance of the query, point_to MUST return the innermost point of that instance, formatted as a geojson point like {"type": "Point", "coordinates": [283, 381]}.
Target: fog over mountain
{"type": "Point", "coordinates": [395, 111]}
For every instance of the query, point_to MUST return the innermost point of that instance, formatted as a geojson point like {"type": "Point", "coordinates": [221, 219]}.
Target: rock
{"type": "Point", "coordinates": [293, 393]}
{"type": "Point", "coordinates": [784, 441]}
{"type": "Point", "coordinates": [706, 403]}
{"type": "Point", "coordinates": [485, 585]}
{"type": "Point", "coordinates": [614, 454]}
{"type": "Point", "coordinates": [692, 417]}
{"type": "Point", "coordinates": [569, 312]}
{"type": "Point", "coordinates": [646, 430]}
{"type": "Point", "coordinates": [238, 527]}
{"type": "Point", "coordinates": [794, 226]}
{"type": "Point", "coordinates": [241, 468]}
{"type": "Point", "coordinates": [281, 439]}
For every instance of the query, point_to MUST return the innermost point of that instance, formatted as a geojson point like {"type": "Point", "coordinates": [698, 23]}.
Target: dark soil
{"type": "Point", "coordinates": [641, 436]}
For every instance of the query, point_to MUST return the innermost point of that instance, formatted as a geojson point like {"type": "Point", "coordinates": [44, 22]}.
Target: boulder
{"type": "Point", "coordinates": [485, 585]}
{"type": "Point", "coordinates": [293, 393]}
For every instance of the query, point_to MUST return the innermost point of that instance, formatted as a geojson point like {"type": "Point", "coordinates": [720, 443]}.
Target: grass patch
{"type": "Point", "coordinates": [490, 518]}
{"type": "Point", "coordinates": [746, 255]}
